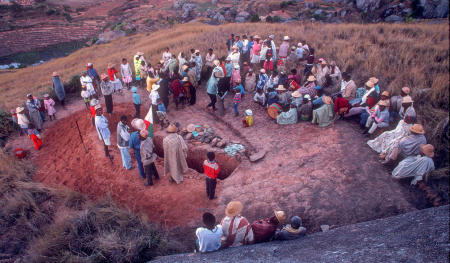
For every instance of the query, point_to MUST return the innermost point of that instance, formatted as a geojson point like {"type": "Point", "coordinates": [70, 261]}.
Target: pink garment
{"type": "Point", "coordinates": [256, 49]}
{"type": "Point", "coordinates": [235, 76]}
{"type": "Point", "coordinates": [284, 48]}
{"type": "Point", "coordinates": [49, 106]}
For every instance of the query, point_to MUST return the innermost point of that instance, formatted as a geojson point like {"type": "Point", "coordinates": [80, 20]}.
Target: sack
{"type": "Point", "coordinates": [263, 230]}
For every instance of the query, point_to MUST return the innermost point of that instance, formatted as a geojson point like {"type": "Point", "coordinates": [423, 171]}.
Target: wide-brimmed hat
{"type": "Point", "coordinates": [417, 128]}
{"type": "Point", "coordinates": [286, 38]}
{"type": "Point", "coordinates": [385, 93]}
{"type": "Point", "coordinates": [20, 109]}
{"type": "Point", "coordinates": [185, 79]}
{"type": "Point", "coordinates": [427, 149]}
{"type": "Point", "coordinates": [138, 124]}
{"type": "Point", "coordinates": [406, 90]}
{"type": "Point", "coordinates": [216, 62]}
{"type": "Point", "coordinates": [311, 78]}
{"type": "Point", "coordinates": [103, 76]}
{"type": "Point", "coordinates": [281, 88]}
{"type": "Point", "coordinates": [172, 128]}
{"type": "Point", "coordinates": [93, 102]}
{"type": "Point", "coordinates": [248, 112]}
{"type": "Point", "coordinates": [111, 65]}
{"type": "Point", "coordinates": [155, 87]}
{"type": "Point", "coordinates": [98, 106]}
{"type": "Point", "coordinates": [139, 53]}
{"type": "Point", "coordinates": [55, 74]}
{"type": "Point", "coordinates": [133, 89]}
{"type": "Point", "coordinates": [190, 127]}
{"type": "Point", "coordinates": [374, 80]}
{"type": "Point", "coordinates": [29, 95]}
{"type": "Point", "coordinates": [280, 215]}
{"type": "Point", "coordinates": [407, 99]}
{"type": "Point", "coordinates": [327, 100]}
{"type": "Point", "coordinates": [307, 97]}
{"type": "Point", "coordinates": [296, 94]}
{"type": "Point", "coordinates": [234, 208]}
{"type": "Point", "coordinates": [370, 84]}
{"type": "Point", "coordinates": [383, 103]}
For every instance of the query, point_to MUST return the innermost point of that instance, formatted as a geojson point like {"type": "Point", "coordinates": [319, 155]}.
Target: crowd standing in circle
{"type": "Point", "coordinates": [288, 82]}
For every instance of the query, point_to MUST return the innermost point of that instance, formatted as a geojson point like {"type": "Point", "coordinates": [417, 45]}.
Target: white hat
{"type": "Point", "coordinates": [138, 124]}
{"type": "Point", "coordinates": [272, 36]}
{"type": "Point", "coordinates": [262, 71]}
{"type": "Point", "coordinates": [155, 87]}
{"type": "Point", "coordinates": [98, 106]}
{"type": "Point", "coordinates": [89, 64]}
{"type": "Point", "coordinates": [94, 102]}
{"type": "Point", "coordinates": [249, 112]}
{"type": "Point", "coordinates": [293, 48]}
{"type": "Point", "coordinates": [307, 97]}
{"type": "Point", "coordinates": [236, 67]}
{"type": "Point", "coordinates": [299, 44]}
{"type": "Point", "coordinates": [216, 62]}
{"type": "Point", "coordinates": [286, 38]}
{"type": "Point", "coordinates": [197, 51]}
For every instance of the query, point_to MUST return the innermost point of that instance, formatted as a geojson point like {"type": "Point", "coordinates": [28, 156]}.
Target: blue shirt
{"type": "Point", "coordinates": [161, 107]}
{"type": "Point", "coordinates": [299, 52]}
{"type": "Point", "coordinates": [93, 73]}
{"type": "Point", "coordinates": [136, 99]}
{"type": "Point", "coordinates": [135, 143]}
{"type": "Point", "coordinates": [239, 45]}
{"type": "Point", "coordinates": [229, 69]}
{"type": "Point", "coordinates": [318, 101]}
{"type": "Point", "coordinates": [249, 46]}
{"type": "Point", "coordinates": [241, 88]}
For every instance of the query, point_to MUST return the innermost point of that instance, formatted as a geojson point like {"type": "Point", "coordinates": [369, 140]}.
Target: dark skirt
{"type": "Point", "coordinates": [109, 103]}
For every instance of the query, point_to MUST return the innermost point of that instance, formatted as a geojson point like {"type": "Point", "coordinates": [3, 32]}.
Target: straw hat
{"type": "Point", "coordinates": [55, 74]}
{"type": "Point", "coordinates": [234, 208]}
{"type": "Point", "coordinates": [216, 62]}
{"type": "Point", "coordinates": [374, 80]}
{"type": "Point", "coordinates": [311, 78]}
{"type": "Point", "coordinates": [138, 124]}
{"type": "Point", "coordinates": [407, 99]}
{"type": "Point", "coordinates": [98, 106]}
{"type": "Point", "coordinates": [155, 87]}
{"type": "Point", "coordinates": [417, 128]}
{"type": "Point", "coordinates": [20, 109]}
{"type": "Point", "coordinates": [370, 84]}
{"type": "Point", "coordinates": [296, 94]}
{"type": "Point", "coordinates": [143, 133]}
{"type": "Point", "coordinates": [406, 90]}
{"type": "Point", "coordinates": [172, 128]}
{"type": "Point", "coordinates": [383, 103]}
{"type": "Point", "coordinates": [307, 97]}
{"type": "Point", "coordinates": [184, 67]}
{"type": "Point", "coordinates": [103, 76]}
{"type": "Point", "coordinates": [385, 93]}
{"type": "Point", "coordinates": [262, 71]}
{"type": "Point", "coordinates": [281, 88]}
{"type": "Point", "coordinates": [185, 79]}
{"type": "Point", "coordinates": [94, 102]}
{"type": "Point", "coordinates": [161, 61]}
{"type": "Point", "coordinates": [280, 215]}
{"type": "Point", "coordinates": [248, 112]}
{"type": "Point", "coordinates": [427, 149]}
{"type": "Point", "coordinates": [286, 38]}
{"type": "Point", "coordinates": [139, 53]}
{"type": "Point", "coordinates": [190, 127]}
{"type": "Point", "coordinates": [111, 65]}
{"type": "Point", "coordinates": [327, 100]}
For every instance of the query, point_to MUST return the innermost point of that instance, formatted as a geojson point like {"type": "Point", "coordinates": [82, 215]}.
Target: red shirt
{"type": "Point", "coordinates": [92, 110]}
{"type": "Point", "coordinates": [340, 103]}
{"type": "Point", "coordinates": [211, 169]}
{"type": "Point", "coordinates": [112, 72]}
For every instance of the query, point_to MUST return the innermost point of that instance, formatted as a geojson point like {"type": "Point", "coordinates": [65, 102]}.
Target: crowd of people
{"type": "Point", "coordinates": [288, 82]}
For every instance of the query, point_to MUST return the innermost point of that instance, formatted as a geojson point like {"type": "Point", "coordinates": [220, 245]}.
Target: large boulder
{"type": "Point", "coordinates": [219, 18]}
{"type": "Point", "coordinates": [367, 5]}
{"type": "Point", "coordinates": [435, 8]}
{"type": "Point", "coordinates": [242, 17]}
{"type": "Point", "coordinates": [109, 36]}
{"type": "Point", "coordinates": [393, 18]}
{"type": "Point", "coordinates": [178, 4]}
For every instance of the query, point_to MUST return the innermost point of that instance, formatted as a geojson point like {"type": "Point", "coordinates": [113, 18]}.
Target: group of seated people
{"type": "Point", "coordinates": [234, 229]}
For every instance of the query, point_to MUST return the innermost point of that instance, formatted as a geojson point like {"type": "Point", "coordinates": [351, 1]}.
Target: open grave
{"type": "Point", "coordinates": [325, 175]}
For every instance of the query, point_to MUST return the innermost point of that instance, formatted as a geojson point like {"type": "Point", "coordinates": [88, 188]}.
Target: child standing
{"type": "Point", "coordinates": [86, 96]}
{"type": "Point", "coordinates": [35, 137]}
{"type": "Point", "coordinates": [236, 101]}
{"type": "Point", "coordinates": [136, 102]}
{"type": "Point", "coordinates": [239, 87]}
{"type": "Point", "coordinates": [49, 104]}
{"type": "Point", "coordinates": [211, 169]}
{"type": "Point", "coordinates": [248, 121]}
{"type": "Point", "coordinates": [22, 120]}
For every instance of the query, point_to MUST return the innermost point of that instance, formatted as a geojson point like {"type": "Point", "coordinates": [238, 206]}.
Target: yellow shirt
{"type": "Point", "coordinates": [249, 120]}
{"type": "Point", "coordinates": [150, 82]}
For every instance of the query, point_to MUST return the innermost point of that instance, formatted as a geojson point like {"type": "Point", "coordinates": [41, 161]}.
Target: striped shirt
{"type": "Point", "coordinates": [237, 98]}
{"type": "Point", "coordinates": [236, 231]}
{"type": "Point", "coordinates": [211, 169]}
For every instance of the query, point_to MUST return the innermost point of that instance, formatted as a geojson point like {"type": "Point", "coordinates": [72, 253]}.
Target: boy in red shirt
{"type": "Point", "coordinates": [211, 169]}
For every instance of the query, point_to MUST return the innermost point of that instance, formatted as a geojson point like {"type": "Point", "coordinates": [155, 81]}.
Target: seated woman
{"type": "Point", "coordinates": [341, 106]}
{"type": "Point", "coordinates": [416, 166]}
{"type": "Point", "coordinates": [291, 231]}
{"type": "Point", "coordinates": [378, 119]}
{"type": "Point", "coordinates": [289, 117]}
{"type": "Point", "coordinates": [236, 229]}
{"type": "Point", "coordinates": [305, 110]}
{"type": "Point", "coordinates": [324, 115]}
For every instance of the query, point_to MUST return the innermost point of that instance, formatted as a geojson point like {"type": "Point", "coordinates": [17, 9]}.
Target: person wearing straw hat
{"type": "Point", "coordinates": [107, 90]}
{"type": "Point", "coordinates": [33, 106]}
{"type": "Point", "coordinates": [370, 97]}
{"type": "Point", "coordinates": [135, 143]}
{"type": "Point", "coordinates": [237, 231]}
{"type": "Point", "coordinates": [58, 87]}
{"type": "Point", "coordinates": [235, 56]}
{"type": "Point", "coordinates": [101, 125]}
{"type": "Point", "coordinates": [264, 230]}
{"type": "Point", "coordinates": [324, 115]}
{"type": "Point", "coordinates": [114, 79]}
{"type": "Point", "coordinates": [309, 87]}
{"type": "Point", "coordinates": [410, 145]}
{"type": "Point", "coordinates": [296, 99]}
{"type": "Point", "coordinates": [208, 237]}
{"type": "Point", "coordinates": [396, 103]}
{"type": "Point", "coordinates": [175, 153]}
{"type": "Point", "coordinates": [375, 82]}
{"type": "Point", "coordinates": [22, 120]}
{"type": "Point", "coordinates": [187, 86]}
{"type": "Point", "coordinates": [291, 231]}
{"type": "Point", "coordinates": [283, 96]}
{"type": "Point", "coordinates": [305, 110]}
{"type": "Point", "coordinates": [49, 105]}
{"type": "Point", "coordinates": [416, 166]}
{"type": "Point", "coordinates": [378, 119]}
{"type": "Point", "coordinates": [407, 111]}
{"type": "Point", "coordinates": [148, 157]}
{"type": "Point", "coordinates": [288, 117]}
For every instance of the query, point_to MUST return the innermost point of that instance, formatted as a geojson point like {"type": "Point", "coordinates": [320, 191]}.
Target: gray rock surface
{"type": "Point", "coordinates": [419, 236]}
{"type": "Point", "coordinates": [393, 18]}
{"type": "Point", "coordinates": [367, 5]}
{"type": "Point", "coordinates": [109, 36]}
{"type": "Point", "coordinates": [242, 16]}
{"type": "Point", "coordinates": [435, 8]}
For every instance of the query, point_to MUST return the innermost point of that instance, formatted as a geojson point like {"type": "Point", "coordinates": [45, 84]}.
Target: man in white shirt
{"type": "Point", "coordinates": [208, 238]}
{"type": "Point", "coordinates": [123, 141]}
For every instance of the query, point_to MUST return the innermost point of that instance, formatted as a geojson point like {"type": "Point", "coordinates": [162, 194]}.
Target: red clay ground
{"type": "Point", "coordinates": [327, 176]}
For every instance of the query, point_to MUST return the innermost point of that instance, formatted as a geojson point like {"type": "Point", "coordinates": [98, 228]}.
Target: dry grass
{"type": "Point", "coordinates": [40, 224]}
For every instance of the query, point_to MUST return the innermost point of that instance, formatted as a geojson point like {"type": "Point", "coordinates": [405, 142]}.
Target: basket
{"type": "Point", "coordinates": [274, 110]}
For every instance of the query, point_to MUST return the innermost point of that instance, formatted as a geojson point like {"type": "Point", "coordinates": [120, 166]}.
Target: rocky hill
{"type": "Point", "coordinates": [36, 25]}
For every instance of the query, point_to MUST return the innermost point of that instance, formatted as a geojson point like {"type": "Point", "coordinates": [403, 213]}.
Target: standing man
{"type": "Point", "coordinates": [273, 47]}
{"type": "Point", "coordinates": [101, 124]}
{"type": "Point", "coordinates": [210, 57]}
{"type": "Point", "coordinates": [175, 153]}
{"type": "Point", "coordinates": [230, 42]}
{"type": "Point", "coordinates": [33, 106]}
{"type": "Point", "coordinates": [148, 157]}
{"type": "Point", "coordinates": [58, 86]}
{"type": "Point", "coordinates": [135, 143]}
{"type": "Point", "coordinates": [198, 65]}
{"type": "Point", "coordinates": [123, 141]}
{"type": "Point", "coordinates": [107, 91]}
{"type": "Point", "coordinates": [192, 77]}
{"type": "Point", "coordinates": [211, 86]}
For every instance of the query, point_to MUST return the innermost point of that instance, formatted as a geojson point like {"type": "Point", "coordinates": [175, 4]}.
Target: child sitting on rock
{"type": "Point", "coordinates": [248, 121]}
{"type": "Point", "coordinates": [208, 237]}
{"type": "Point", "coordinates": [161, 113]}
